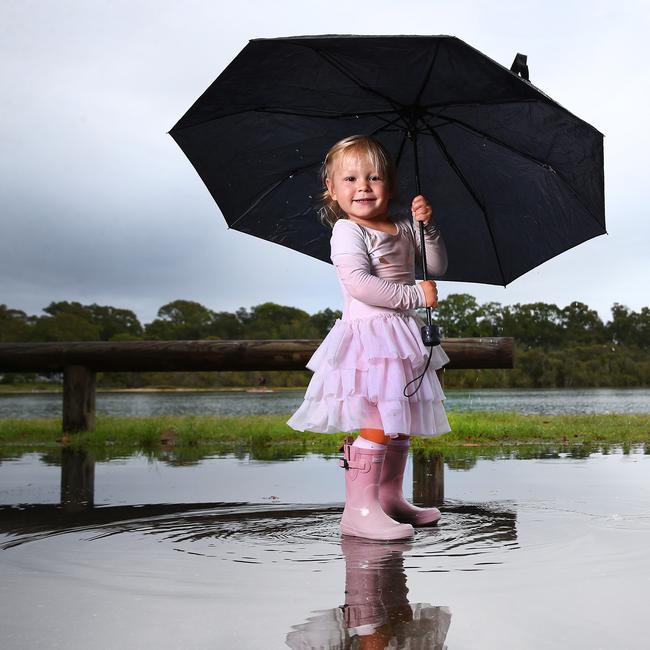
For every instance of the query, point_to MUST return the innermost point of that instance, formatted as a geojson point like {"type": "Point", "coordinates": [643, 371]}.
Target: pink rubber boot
{"type": "Point", "coordinates": [362, 515]}
{"type": "Point", "coordinates": [391, 495]}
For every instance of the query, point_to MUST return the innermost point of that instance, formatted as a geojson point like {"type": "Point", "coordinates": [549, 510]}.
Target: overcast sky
{"type": "Point", "coordinates": [98, 204]}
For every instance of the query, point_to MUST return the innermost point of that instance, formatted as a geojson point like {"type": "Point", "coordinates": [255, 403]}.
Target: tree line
{"type": "Point", "coordinates": [556, 346]}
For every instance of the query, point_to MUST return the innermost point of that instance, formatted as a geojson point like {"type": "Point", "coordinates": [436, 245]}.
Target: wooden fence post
{"type": "Point", "coordinates": [78, 398]}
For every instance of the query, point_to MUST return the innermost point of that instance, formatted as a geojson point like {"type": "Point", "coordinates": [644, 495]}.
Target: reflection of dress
{"type": "Point", "coordinates": [368, 357]}
{"type": "Point", "coordinates": [427, 630]}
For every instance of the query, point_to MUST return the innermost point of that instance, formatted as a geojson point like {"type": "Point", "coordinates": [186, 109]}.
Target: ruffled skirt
{"type": "Point", "coordinates": [360, 371]}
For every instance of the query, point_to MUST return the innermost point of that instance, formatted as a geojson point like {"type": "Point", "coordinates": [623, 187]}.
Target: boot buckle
{"type": "Point", "coordinates": [362, 466]}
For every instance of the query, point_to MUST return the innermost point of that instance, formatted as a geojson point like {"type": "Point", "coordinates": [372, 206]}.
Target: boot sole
{"type": "Point", "coordinates": [353, 532]}
{"type": "Point", "coordinates": [433, 522]}
{"type": "Point", "coordinates": [414, 522]}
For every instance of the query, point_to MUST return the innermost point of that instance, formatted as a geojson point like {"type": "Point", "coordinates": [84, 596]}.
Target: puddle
{"type": "Point", "coordinates": [228, 552]}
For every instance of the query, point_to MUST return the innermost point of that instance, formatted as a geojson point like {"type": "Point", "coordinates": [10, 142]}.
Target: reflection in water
{"type": "Point", "coordinates": [428, 479]}
{"type": "Point", "coordinates": [376, 613]}
{"type": "Point", "coordinates": [77, 479]}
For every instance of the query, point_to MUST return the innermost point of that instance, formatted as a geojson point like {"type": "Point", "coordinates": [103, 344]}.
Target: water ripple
{"type": "Point", "coordinates": [469, 536]}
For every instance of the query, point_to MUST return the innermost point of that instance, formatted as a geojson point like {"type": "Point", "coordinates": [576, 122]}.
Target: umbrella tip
{"type": "Point", "coordinates": [520, 66]}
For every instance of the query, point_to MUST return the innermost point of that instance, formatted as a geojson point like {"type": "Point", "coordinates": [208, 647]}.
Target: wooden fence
{"type": "Point", "coordinates": [80, 361]}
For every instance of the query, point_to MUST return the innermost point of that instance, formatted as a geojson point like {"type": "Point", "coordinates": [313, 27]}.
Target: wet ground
{"type": "Point", "coordinates": [237, 553]}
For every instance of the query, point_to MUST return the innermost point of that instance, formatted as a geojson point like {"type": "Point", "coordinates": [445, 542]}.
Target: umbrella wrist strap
{"type": "Point", "coordinates": [419, 378]}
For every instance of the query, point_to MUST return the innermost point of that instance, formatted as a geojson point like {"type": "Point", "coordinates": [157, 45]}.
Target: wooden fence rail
{"type": "Point", "coordinates": [80, 361]}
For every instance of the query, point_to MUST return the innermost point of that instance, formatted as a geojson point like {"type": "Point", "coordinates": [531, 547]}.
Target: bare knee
{"type": "Point", "coordinates": [375, 435]}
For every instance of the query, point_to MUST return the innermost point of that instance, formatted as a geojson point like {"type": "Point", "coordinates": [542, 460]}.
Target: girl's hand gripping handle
{"type": "Point", "coordinates": [421, 209]}
{"type": "Point", "coordinates": [430, 292]}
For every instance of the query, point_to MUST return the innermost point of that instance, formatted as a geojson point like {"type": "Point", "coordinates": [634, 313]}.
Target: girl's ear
{"type": "Point", "coordinates": [330, 188]}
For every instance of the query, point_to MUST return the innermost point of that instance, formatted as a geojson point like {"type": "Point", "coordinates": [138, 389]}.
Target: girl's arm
{"type": "Point", "coordinates": [352, 264]}
{"type": "Point", "coordinates": [435, 248]}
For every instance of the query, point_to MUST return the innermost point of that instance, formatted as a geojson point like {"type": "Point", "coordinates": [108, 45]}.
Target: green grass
{"type": "Point", "coordinates": [513, 428]}
{"type": "Point", "coordinates": [270, 437]}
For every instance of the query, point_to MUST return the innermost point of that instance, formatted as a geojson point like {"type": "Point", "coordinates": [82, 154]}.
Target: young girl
{"type": "Point", "coordinates": [375, 350]}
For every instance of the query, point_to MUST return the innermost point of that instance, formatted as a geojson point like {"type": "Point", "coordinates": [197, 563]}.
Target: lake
{"type": "Point", "coordinates": [540, 401]}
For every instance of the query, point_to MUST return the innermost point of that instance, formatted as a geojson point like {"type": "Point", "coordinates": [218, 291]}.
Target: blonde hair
{"type": "Point", "coordinates": [330, 212]}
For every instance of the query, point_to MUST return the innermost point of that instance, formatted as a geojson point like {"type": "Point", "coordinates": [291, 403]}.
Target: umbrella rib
{"type": "Point", "coordinates": [398, 158]}
{"type": "Point", "coordinates": [544, 99]}
{"type": "Point", "coordinates": [269, 190]}
{"type": "Point", "coordinates": [528, 156]}
{"type": "Point", "coordinates": [351, 77]}
{"type": "Point", "coordinates": [279, 111]}
{"type": "Point", "coordinates": [487, 136]}
{"type": "Point", "coordinates": [485, 102]}
{"type": "Point", "coordinates": [380, 115]}
{"type": "Point", "coordinates": [472, 193]}
{"type": "Point", "coordinates": [386, 125]}
{"type": "Point", "coordinates": [428, 74]}
{"type": "Point", "coordinates": [332, 116]}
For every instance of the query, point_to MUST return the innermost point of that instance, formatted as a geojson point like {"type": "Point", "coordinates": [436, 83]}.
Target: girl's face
{"type": "Point", "coordinates": [358, 188]}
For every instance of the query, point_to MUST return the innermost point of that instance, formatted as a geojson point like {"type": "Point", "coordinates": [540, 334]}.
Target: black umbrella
{"type": "Point", "coordinates": [514, 178]}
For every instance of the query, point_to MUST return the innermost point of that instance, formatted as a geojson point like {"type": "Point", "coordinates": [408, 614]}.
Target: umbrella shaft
{"type": "Point", "coordinates": [418, 191]}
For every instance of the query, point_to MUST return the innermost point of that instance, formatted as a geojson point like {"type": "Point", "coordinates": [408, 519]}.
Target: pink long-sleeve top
{"type": "Point", "coordinates": [376, 269]}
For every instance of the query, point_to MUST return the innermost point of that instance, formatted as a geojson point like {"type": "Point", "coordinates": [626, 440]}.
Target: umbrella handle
{"type": "Point", "coordinates": [430, 332]}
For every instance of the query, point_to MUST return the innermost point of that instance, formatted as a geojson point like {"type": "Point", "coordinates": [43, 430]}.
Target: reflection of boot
{"type": "Point", "coordinates": [376, 613]}
{"type": "Point", "coordinates": [375, 582]}
{"type": "Point", "coordinates": [362, 515]}
{"type": "Point", "coordinates": [391, 495]}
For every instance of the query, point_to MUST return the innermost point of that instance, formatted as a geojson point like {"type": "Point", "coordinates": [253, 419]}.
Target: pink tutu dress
{"type": "Point", "coordinates": [375, 349]}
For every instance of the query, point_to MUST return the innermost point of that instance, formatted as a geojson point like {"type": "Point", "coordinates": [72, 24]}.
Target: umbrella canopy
{"type": "Point", "coordinates": [514, 178]}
